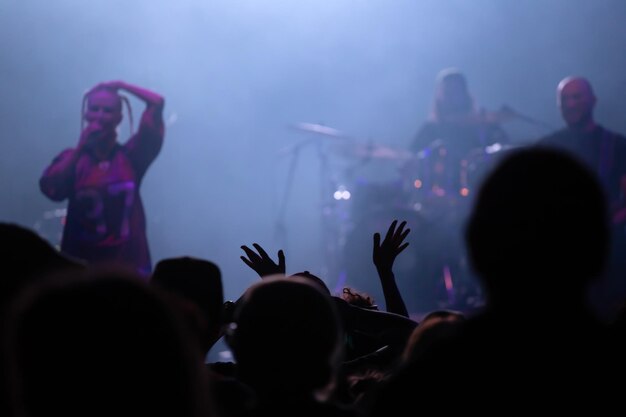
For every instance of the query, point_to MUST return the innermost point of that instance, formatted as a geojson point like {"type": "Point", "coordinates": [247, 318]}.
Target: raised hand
{"type": "Point", "coordinates": [261, 263]}
{"type": "Point", "coordinates": [90, 135]}
{"type": "Point", "coordinates": [148, 96]}
{"type": "Point", "coordinates": [385, 253]}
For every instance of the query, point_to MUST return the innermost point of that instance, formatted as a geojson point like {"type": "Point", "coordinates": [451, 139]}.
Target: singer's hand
{"type": "Point", "coordinates": [90, 135]}
{"type": "Point", "coordinates": [109, 85]}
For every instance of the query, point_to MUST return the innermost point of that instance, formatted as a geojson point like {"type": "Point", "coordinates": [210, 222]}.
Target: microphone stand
{"type": "Point", "coordinates": [280, 231]}
{"type": "Point", "coordinates": [330, 239]}
{"type": "Point", "coordinates": [507, 110]}
{"type": "Point", "coordinates": [330, 230]}
{"type": "Point", "coordinates": [535, 122]}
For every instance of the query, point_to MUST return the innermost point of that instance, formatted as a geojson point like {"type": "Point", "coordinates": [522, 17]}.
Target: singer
{"type": "Point", "coordinates": [100, 178]}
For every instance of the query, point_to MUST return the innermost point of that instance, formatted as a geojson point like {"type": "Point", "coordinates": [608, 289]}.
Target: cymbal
{"type": "Point", "coordinates": [375, 151]}
{"type": "Point", "coordinates": [319, 129]}
{"type": "Point", "coordinates": [496, 149]}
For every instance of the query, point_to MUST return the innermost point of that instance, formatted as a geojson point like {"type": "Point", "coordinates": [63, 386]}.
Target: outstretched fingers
{"type": "Point", "coordinates": [261, 262]}
{"type": "Point", "coordinates": [399, 237]}
{"type": "Point", "coordinates": [396, 236]}
{"type": "Point", "coordinates": [394, 243]}
{"type": "Point", "coordinates": [392, 229]}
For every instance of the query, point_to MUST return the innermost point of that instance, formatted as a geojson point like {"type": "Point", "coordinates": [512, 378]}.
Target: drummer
{"type": "Point", "coordinates": [455, 126]}
{"type": "Point", "coordinates": [455, 119]}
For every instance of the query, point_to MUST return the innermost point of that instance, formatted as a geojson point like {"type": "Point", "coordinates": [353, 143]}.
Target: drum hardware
{"type": "Point", "coordinates": [432, 190]}
{"type": "Point", "coordinates": [332, 195]}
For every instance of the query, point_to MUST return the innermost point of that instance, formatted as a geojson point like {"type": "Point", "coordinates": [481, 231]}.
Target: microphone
{"type": "Point", "coordinates": [507, 111]}
{"type": "Point", "coordinates": [92, 134]}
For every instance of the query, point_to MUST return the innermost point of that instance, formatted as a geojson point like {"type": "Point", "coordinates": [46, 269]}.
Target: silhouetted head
{"type": "Point", "coordinates": [452, 97]}
{"type": "Point", "coordinates": [576, 100]}
{"type": "Point", "coordinates": [287, 337]}
{"type": "Point", "coordinates": [314, 279]}
{"type": "Point", "coordinates": [102, 345]}
{"type": "Point", "coordinates": [198, 282]}
{"type": "Point", "coordinates": [539, 227]}
{"type": "Point", "coordinates": [25, 256]}
{"type": "Point", "coordinates": [435, 327]}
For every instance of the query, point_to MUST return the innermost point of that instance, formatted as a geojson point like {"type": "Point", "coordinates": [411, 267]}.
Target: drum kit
{"type": "Point", "coordinates": [427, 181]}
{"type": "Point", "coordinates": [431, 190]}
